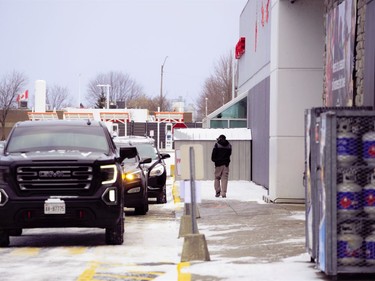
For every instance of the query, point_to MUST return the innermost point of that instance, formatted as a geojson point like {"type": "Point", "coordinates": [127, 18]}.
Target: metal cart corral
{"type": "Point", "coordinates": [339, 167]}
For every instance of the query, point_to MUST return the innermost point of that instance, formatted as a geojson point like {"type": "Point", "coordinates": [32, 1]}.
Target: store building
{"type": "Point", "coordinates": [293, 55]}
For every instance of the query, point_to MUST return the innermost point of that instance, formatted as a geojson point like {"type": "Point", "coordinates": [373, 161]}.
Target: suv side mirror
{"type": "Point", "coordinates": [127, 152]}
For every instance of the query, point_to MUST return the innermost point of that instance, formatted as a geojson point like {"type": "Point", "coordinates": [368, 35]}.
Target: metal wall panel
{"type": "Point", "coordinates": [258, 118]}
{"type": "Point", "coordinates": [240, 166]}
{"type": "Point", "coordinates": [145, 128]}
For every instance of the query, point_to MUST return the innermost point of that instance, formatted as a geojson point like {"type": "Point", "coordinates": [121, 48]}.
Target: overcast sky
{"type": "Point", "coordinates": [69, 42]}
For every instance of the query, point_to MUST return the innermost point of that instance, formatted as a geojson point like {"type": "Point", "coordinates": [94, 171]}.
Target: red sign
{"type": "Point", "coordinates": [240, 48]}
{"type": "Point", "coordinates": [178, 126]}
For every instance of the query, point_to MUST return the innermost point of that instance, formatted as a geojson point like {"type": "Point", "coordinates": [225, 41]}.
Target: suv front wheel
{"type": "Point", "coordinates": [115, 235]}
{"type": "Point", "coordinates": [4, 238]}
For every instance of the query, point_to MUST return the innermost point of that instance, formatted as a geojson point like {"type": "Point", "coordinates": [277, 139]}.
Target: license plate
{"type": "Point", "coordinates": [54, 206]}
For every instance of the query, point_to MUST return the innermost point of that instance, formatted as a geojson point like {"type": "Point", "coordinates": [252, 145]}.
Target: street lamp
{"type": "Point", "coordinates": [107, 86]}
{"type": "Point", "coordinates": [161, 84]}
{"type": "Point", "coordinates": [161, 99]}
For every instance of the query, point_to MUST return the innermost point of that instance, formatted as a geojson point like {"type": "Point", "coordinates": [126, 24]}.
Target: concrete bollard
{"type": "Point", "coordinates": [195, 248]}
{"type": "Point", "coordinates": [186, 226]}
{"type": "Point", "coordinates": [188, 211]}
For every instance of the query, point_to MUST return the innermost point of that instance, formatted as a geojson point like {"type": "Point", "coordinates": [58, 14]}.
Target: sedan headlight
{"type": "Point", "coordinates": [132, 176]}
{"type": "Point", "coordinates": [156, 171]}
{"type": "Point", "coordinates": [109, 173]}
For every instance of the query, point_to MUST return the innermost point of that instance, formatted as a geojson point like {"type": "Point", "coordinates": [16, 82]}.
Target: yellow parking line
{"type": "Point", "coordinates": [97, 271]}
{"type": "Point", "coordinates": [126, 277]}
{"type": "Point", "coordinates": [181, 275]}
{"type": "Point", "coordinates": [26, 251]}
{"type": "Point", "coordinates": [76, 250]}
{"type": "Point", "coordinates": [89, 273]}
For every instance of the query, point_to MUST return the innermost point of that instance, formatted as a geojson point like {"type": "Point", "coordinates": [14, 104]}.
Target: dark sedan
{"type": "Point", "coordinates": [135, 179]}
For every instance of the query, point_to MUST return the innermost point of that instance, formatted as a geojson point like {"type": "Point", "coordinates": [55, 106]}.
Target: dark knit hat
{"type": "Point", "coordinates": [221, 137]}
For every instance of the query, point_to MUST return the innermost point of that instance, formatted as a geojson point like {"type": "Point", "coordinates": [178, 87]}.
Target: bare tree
{"type": "Point", "coordinates": [142, 101]}
{"type": "Point", "coordinates": [217, 88]}
{"type": "Point", "coordinates": [162, 102]}
{"type": "Point", "coordinates": [122, 88]}
{"type": "Point", "coordinates": [145, 102]}
{"type": "Point", "coordinates": [155, 103]}
{"type": "Point", "coordinates": [58, 97]}
{"type": "Point", "coordinates": [11, 85]}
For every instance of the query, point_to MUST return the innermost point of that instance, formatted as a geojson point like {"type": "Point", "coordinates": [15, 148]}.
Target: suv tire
{"type": "Point", "coordinates": [15, 232]}
{"type": "Point", "coordinates": [144, 208]}
{"type": "Point", "coordinates": [4, 238]}
{"type": "Point", "coordinates": [115, 235]}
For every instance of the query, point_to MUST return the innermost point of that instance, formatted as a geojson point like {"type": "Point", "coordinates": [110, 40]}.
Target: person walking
{"type": "Point", "coordinates": [221, 157]}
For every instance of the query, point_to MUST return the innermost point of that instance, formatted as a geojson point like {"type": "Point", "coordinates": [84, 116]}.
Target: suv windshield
{"type": "Point", "coordinates": [146, 151]}
{"type": "Point", "coordinates": [44, 138]}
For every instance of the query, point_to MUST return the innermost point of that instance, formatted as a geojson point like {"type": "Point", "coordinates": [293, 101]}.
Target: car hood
{"type": "Point", "coordinates": [152, 164]}
{"type": "Point", "coordinates": [130, 167]}
{"type": "Point", "coordinates": [55, 155]}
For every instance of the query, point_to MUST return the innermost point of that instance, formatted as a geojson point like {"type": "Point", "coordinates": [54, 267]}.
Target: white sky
{"type": "Point", "coordinates": [69, 42]}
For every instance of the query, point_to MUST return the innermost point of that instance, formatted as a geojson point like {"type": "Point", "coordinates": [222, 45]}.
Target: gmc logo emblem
{"type": "Point", "coordinates": [54, 174]}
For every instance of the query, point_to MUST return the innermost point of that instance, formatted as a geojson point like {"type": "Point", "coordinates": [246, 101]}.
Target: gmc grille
{"type": "Point", "coordinates": [53, 178]}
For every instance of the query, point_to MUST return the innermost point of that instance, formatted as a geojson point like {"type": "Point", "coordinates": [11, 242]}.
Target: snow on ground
{"type": "Point", "coordinates": [292, 269]}
{"type": "Point", "coordinates": [297, 268]}
{"type": "Point", "coordinates": [237, 190]}
{"type": "Point", "coordinates": [245, 191]}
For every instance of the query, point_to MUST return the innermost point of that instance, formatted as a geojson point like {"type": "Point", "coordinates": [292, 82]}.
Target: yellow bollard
{"type": "Point", "coordinates": [172, 172]}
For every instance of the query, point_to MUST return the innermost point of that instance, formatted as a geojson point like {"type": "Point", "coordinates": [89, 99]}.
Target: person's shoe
{"type": "Point", "coordinates": [217, 194]}
{"type": "Point", "coordinates": [224, 196]}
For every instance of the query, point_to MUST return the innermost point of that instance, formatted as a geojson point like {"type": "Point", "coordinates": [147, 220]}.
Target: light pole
{"type": "Point", "coordinates": [107, 86]}
{"type": "Point", "coordinates": [161, 84]}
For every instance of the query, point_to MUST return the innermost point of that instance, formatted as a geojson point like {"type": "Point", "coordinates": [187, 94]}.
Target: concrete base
{"type": "Point", "coordinates": [186, 226]}
{"type": "Point", "coordinates": [268, 199]}
{"type": "Point", "coordinates": [188, 210]}
{"type": "Point", "coordinates": [195, 248]}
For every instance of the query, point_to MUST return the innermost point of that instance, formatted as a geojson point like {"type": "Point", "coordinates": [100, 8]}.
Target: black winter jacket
{"type": "Point", "coordinates": [221, 153]}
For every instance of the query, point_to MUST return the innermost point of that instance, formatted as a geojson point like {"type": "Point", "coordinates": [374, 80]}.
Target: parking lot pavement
{"type": "Point", "coordinates": [247, 237]}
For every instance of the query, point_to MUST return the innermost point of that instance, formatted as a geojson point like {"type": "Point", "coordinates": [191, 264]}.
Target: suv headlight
{"type": "Point", "coordinates": [156, 171]}
{"type": "Point", "coordinates": [3, 197]}
{"type": "Point", "coordinates": [109, 173]}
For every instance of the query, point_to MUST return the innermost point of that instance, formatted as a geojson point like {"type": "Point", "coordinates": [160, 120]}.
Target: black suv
{"type": "Point", "coordinates": [157, 173]}
{"type": "Point", "coordinates": [61, 173]}
{"type": "Point", "coordinates": [135, 178]}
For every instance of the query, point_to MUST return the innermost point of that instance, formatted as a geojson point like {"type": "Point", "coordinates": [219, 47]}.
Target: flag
{"type": "Point", "coordinates": [24, 96]}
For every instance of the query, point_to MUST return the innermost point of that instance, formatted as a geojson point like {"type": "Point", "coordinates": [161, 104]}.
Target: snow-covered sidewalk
{"type": "Point", "coordinates": [245, 221]}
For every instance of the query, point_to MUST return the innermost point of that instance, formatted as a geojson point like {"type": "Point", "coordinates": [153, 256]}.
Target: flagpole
{"type": "Point", "coordinates": [79, 90]}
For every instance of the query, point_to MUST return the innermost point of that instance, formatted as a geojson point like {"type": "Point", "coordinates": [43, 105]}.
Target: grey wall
{"type": "Point", "coordinates": [239, 168]}
{"type": "Point", "coordinates": [257, 53]}
{"type": "Point", "coordinates": [258, 119]}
